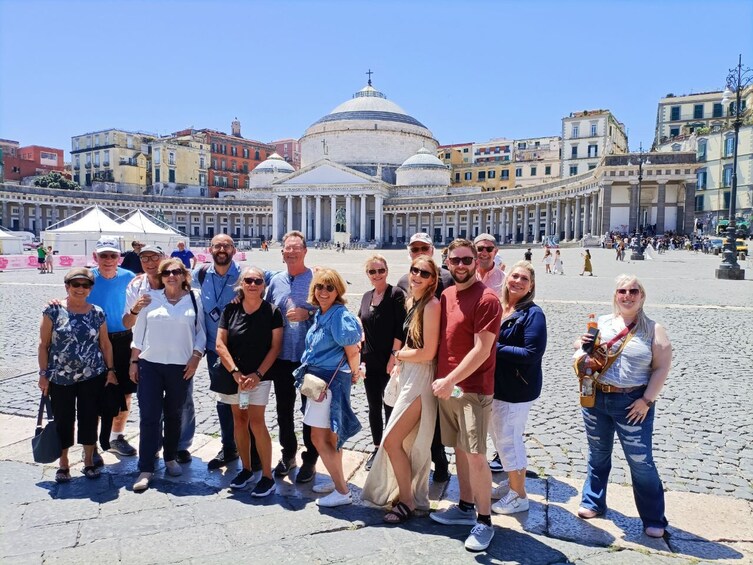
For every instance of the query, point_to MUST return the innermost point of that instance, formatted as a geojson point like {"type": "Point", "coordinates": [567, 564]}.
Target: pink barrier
{"type": "Point", "coordinates": [17, 262]}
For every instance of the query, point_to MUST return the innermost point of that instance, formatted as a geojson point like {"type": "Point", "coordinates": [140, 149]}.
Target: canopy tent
{"type": "Point", "coordinates": [80, 236]}
{"type": "Point", "coordinates": [10, 244]}
{"type": "Point", "coordinates": [146, 223]}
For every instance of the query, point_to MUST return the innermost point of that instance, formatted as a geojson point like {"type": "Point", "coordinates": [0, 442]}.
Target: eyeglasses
{"type": "Point", "coordinates": [167, 272]}
{"type": "Point", "coordinates": [630, 291]}
{"type": "Point", "coordinates": [221, 246]}
{"type": "Point", "coordinates": [108, 255]}
{"type": "Point", "coordinates": [457, 260]}
{"type": "Point", "coordinates": [253, 280]}
{"type": "Point", "coordinates": [150, 258]}
{"type": "Point", "coordinates": [76, 284]}
{"type": "Point", "coordinates": [373, 272]}
{"type": "Point", "coordinates": [328, 287]}
{"type": "Point", "coordinates": [292, 248]}
{"type": "Point", "coordinates": [422, 249]}
{"type": "Point", "coordinates": [481, 248]}
{"type": "Point", "coordinates": [417, 271]}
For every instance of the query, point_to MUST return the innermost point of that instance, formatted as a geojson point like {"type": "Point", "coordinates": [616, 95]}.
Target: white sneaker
{"type": "Point", "coordinates": [501, 489]}
{"type": "Point", "coordinates": [334, 499]}
{"type": "Point", "coordinates": [323, 488]}
{"type": "Point", "coordinates": [511, 503]}
{"type": "Point", "coordinates": [173, 468]}
{"type": "Point", "coordinates": [142, 483]}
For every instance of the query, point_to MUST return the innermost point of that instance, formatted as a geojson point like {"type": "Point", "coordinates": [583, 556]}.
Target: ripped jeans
{"type": "Point", "coordinates": [609, 415]}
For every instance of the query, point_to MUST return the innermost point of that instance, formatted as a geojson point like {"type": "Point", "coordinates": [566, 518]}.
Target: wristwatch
{"type": "Point", "coordinates": [258, 374]}
{"type": "Point", "coordinates": [42, 373]}
{"type": "Point", "coordinates": [235, 370]}
{"type": "Point", "coordinates": [648, 402]}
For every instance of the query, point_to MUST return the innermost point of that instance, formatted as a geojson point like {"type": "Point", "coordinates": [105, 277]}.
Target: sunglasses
{"type": "Point", "coordinates": [167, 272]}
{"type": "Point", "coordinates": [328, 287]}
{"type": "Point", "coordinates": [373, 272]}
{"type": "Point", "coordinates": [417, 271]}
{"type": "Point", "coordinates": [253, 280]}
{"type": "Point", "coordinates": [76, 284]}
{"type": "Point", "coordinates": [150, 258]}
{"type": "Point", "coordinates": [630, 291]}
{"type": "Point", "coordinates": [108, 255]}
{"type": "Point", "coordinates": [422, 249]}
{"type": "Point", "coordinates": [487, 249]}
{"type": "Point", "coordinates": [464, 260]}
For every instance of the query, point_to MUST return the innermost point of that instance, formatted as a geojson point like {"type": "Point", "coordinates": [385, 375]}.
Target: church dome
{"type": "Point", "coordinates": [423, 159]}
{"type": "Point", "coordinates": [275, 163]}
{"type": "Point", "coordinates": [423, 169]}
{"type": "Point", "coordinates": [368, 133]}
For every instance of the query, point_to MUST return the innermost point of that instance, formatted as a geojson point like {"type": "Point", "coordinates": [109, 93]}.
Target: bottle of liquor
{"type": "Point", "coordinates": [592, 323]}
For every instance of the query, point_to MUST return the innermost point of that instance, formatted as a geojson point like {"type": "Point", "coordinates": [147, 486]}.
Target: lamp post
{"type": "Point", "coordinates": [737, 80]}
{"type": "Point", "coordinates": [637, 254]}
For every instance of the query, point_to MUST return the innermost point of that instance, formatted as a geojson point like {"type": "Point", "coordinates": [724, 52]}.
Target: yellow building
{"type": "Point", "coordinates": [179, 165]}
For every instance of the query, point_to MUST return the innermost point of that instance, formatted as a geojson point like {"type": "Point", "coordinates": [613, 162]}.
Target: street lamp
{"type": "Point", "coordinates": [737, 80]}
{"type": "Point", "coordinates": [637, 254]}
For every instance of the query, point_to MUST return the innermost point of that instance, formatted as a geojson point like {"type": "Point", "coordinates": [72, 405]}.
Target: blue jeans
{"type": "Point", "coordinates": [162, 390]}
{"type": "Point", "coordinates": [609, 415]}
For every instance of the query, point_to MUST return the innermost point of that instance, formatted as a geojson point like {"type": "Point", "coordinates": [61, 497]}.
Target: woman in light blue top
{"type": "Point", "coordinates": [625, 396]}
{"type": "Point", "coordinates": [332, 345]}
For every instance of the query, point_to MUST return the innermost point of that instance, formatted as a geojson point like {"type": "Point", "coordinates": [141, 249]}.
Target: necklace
{"type": "Point", "coordinates": [376, 298]}
{"type": "Point", "coordinates": [174, 301]}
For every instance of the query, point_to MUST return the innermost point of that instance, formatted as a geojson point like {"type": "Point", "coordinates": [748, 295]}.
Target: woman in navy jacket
{"type": "Point", "coordinates": [517, 380]}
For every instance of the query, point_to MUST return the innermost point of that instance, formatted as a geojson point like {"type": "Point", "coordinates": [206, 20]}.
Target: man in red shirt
{"type": "Point", "coordinates": [471, 317]}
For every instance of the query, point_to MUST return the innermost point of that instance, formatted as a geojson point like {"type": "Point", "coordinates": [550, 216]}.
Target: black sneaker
{"type": "Point", "coordinates": [441, 475]}
{"type": "Point", "coordinates": [222, 459]}
{"type": "Point", "coordinates": [306, 473]}
{"type": "Point", "coordinates": [122, 447]}
{"type": "Point", "coordinates": [284, 467]}
{"type": "Point", "coordinates": [264, 487]}
{"type": "Point", "coordinates": [370, 460]}
{"type": "Point", "coordinates": [495, 465]}
{"type": "Point", "coordinates": [241, 479]}
{"type": "Point", "coordinates": [183, 456]}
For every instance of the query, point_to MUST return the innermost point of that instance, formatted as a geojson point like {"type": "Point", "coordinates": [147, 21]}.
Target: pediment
{"type": "Point", "coordinates": [326, 172]}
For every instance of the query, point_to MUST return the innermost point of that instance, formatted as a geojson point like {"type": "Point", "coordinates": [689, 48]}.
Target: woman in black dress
{"type": "Point", "coordinates": [382, 314]}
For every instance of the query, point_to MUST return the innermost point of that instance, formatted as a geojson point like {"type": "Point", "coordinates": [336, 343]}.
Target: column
{"type": "Point", "coordinates": [6, 222]}
{"type": "Point", "coordinates": [456, 225]}
{"type": "Point", "coordinates": [576, 219]}
{"type": "Point", "coordinates": [558, 219]}
{"type": "Point", "coordinates": [444, 227]}
{"type": "Point", "coordinates": [431, 224]}
{"type": "Point", "coordinates": [318, 218]}
{"type": "Point", "coordinates": [304, 217]}
{"type": "Point", "coordinates": [503, 225]}
{"type": "Point", "coordinates": [514, 224]}
{"type": "Point", "coordinates": [480, 223]}
{"type": "Point", "coordinates": [202, 224]}
{"type": "Point", "coordinates": [661, 199]}
{"type": "Point", "coordinates": [568, 225]}
{"type": "Point", "coordinates": [38, 219]}
{"type": "Point", "coordinates": [332, 217]}
{"type": "Point", "coordinates": [349, 215]}
{"type": "Point", "coordinates": [606, 207]}
{"type": "Point", "coordinates": [526, 223]}
{"type": "Point", "coordinates": [393, 228]}
{"type": "Point", "coordinates": [275, 218]}
{"type": "Point", "coordinates": [586, 214]}
{"type": "Point", "coordinates": [537, 222]}
{"type": "Point", "coordinates": [362, 231]}
{"type": "Point", "coordinates": [289, 216]}
{"type": "Point", "coordinates": [469, 225]}
{"type": "Point", "coordinates": [378, 218]}
{"type": "Point", "coordinates": [548, 225]}
{"type": "Point", "coordinates": [595, 228]}
{"type": "Point", "coordinates": [686, 223]}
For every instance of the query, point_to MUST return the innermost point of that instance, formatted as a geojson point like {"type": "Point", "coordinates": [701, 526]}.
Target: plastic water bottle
{"type": "Point", "coordinates": [457, 392]}
{"type": "Point", "coordinates": [244, 397]}
{"type": "Point", "coordinates": [290, 305]}
{"type": "Point", "coordinates": [362, 369]}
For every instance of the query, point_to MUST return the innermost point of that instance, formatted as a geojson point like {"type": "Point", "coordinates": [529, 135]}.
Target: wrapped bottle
{"type": "Point", "coordinates": [244, 398]}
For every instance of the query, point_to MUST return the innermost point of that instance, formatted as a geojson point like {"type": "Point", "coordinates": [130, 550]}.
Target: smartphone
{"type": "Point", "coordinates": [589, 347]}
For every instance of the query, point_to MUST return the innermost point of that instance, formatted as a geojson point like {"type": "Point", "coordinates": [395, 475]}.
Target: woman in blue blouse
{"type": "Point", "coordinates": [517, 381]}
{"type": "Point", "coordinates": [331, 345]}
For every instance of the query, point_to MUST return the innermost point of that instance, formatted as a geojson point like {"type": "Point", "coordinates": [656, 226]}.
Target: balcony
{"type": "Point", "coordinates": [88, 165]}
{"type": "Point", "coordinates": [96, 165]}
{"type": "Point", "coordinates": [106, 164]}
{"type": "Point", "coordinates": [76, 167]}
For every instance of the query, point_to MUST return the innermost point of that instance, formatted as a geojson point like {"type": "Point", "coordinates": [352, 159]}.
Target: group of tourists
{"type": "Point", "coordinates": [451, 355]}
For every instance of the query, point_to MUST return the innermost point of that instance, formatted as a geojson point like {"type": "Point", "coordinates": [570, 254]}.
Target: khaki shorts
{"type": "Point", "coordinates": [464, 421]}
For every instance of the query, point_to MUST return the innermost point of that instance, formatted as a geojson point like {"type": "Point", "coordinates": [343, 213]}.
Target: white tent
{"type": "Point", "coordinates": [148, 230]}
{"type": "Point", "coordinates": [10, 244]}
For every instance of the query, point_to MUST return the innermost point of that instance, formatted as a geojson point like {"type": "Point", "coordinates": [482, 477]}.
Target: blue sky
{"type": "Point", "coordinates": [469, 70]}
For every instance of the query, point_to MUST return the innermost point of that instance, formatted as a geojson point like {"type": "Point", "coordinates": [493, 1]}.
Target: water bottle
{"type": "Point", "coordinates": [290, 305]}
{"type": "Point", "coordinates": [244, 397]}
{"type": "Point", "coordinates": [362, 369]}
{"type": "Point", "coordinates": [457, 392]}
{"type": "Point", "coordinates": [588, 388]}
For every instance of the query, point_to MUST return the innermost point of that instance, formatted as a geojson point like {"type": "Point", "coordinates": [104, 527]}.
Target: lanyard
{"type": "Point", "coordinates": [222, 289]}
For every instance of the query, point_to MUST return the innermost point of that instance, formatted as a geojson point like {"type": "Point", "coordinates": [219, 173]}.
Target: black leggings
{"type": "Point", "coordinates": [79, 401]}
{"type": "Point", "coordinates": [375, 383]}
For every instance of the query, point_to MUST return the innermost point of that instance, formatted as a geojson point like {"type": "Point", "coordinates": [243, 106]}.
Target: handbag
{"type": "Point", "coordinates": [589, 366]}
{"type": "Point", "coordinates": [314, 387]}
{"type": "Point", "coordinates": [45, 445]}
{"type": "Point", "coordinates": [391, 392]}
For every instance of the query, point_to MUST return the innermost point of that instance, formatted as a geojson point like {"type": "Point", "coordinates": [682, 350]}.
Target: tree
{"type": "Point", "coordinates": [56, 180]}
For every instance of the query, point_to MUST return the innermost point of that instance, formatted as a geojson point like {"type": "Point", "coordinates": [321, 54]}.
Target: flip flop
{"type": "Point", "coordinates": [62, 475]}
{"type": "Point", "coordinates": [91, 472]}
{"type": "Point", "coordinates": [399, 514]}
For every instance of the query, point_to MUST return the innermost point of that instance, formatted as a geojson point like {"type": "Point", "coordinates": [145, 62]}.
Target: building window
{"type": "Point", "coordinates": [468, 175]}
{"type": "Point", "coordinates": [78, 162]}
{"type": "Point", "coordinates": [593, 151]}
{"type": "Point", "coordinates": [521, 146]}
{"type": "Point", "coordinates": [465, 150]}
{"type": "Point", "coordinates": [676, 147]}
{"type": "Point", "coordinates": [129, 142]}
{"type": "Point", "coordinates": [171, 175]}
{"type": "Point", "coordinates": [107, 158]}
{"type": "Point", "coordinates": [533, 171]}
{"type": "Point", "coordinates": [201, 163]}
{"type": "Point", "coordinates": [457, 177]}
{"type": "Point", "coordinates": [202, 179]}
{"type": "Point", "coordinates": [245, 152]}
{"type": "Point", "coordinates": [701, 154]}
{"type": "Point", "coordinates": [256, 156]}
{"type": "Point", "coordinates": [727, 176]}
{"type": "Point", "coordinates": [505, 174]}
{"type": "Point", "coordinates": [96, 158]}
{"type": "Point", "coordinates": [234, 151]}
{"type": "Point", "coordinates": [548, 170]}
{"type": "Point", "coordinates": [157, 175]}
{"type": "Point", "coordinates": [222, 165]}
{"type": "Point", "coordinates": [729, 146]}
{"type": "Point", "coordinates": [107, 138]}
{"type": "Point", "coordinates": [492, 174]}
{"type": "Point", "coordinates": [482, 175]}
{"type": "Point", "coordinates": [214, 164]}
{"type": "Point", "coordinates": [157, 156]}
{"type": "Point", "coordinates": [574, 152]}
{"type": "Point", "coordinates": [674, 132]}
{"type": "Point", "coordinates": [591, 166]}
{"type": "Point", "coordinates": [235, 182]}
{"type": "Point", "coordinates": [698, 111]}
{"type": "Point", "coordinates": [718, 110]}
{"type": "Point", "coordinates": [575, 131]}
{"type": "Point", "coordinates": [171, 158]}
{"type": "Point", "coordinates": [518, 172]}
{"type": "Point", "coordinates": [573, 170]}
{"type": "Point", "coordinates": [76, 144]}
{"type": "Point", "coordinates": [594, 129]}
{"type": "Point", "coordinates": [96, 140]}
{"type": "Point", "coordinates": [245, 168]}
{"type": "Point", "coordinates": [674, 113]}
{"type": "Point", "coordinates": [701, 175]}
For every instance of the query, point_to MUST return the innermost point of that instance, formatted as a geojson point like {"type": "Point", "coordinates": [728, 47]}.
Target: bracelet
{"type": "Point", "coordinates": [197, 355]}
{"type": "Point", "coordinates": [134, 360]}
{"type": "Point", "coordinates": [648, 402]}
{"type": "Point", "coordinates": [133, 313]}
{"type": "Point", "coordinates": [110, 369]}
{"type": "Point", "coordinates": [397, 355]}
{"type": "Point", "coordinates": [258, 374]}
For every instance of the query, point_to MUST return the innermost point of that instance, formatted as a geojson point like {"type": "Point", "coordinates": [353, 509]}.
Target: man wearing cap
{"type": "Point", "coordinates": [488, 272]}
{"type": "Point", "coordinates": [140, 289]}
{"type": "Point", "coordinates": [185, 255]}
{"type": "Point", "coordinates": [131, 258]}
{"type": "Point", "coordinates": [420, 244]}
{"type": "Point", "coordinates": [109, 293]}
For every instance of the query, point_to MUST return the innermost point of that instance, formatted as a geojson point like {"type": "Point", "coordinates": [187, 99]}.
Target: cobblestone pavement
{"type": "Point", "coordinates": [704, 424]}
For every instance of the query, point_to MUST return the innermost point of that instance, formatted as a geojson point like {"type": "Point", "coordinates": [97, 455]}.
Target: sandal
{"type": "Point", "coordinates": [62, 475]}
{"type": "Point", "coordinates": [91, 472]}
{"type": "Point", "coordinates": [399, 514]}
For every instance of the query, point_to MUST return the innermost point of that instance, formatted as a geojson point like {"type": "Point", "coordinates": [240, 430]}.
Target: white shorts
{"type": "Point", "coordinates": [259, 395]}
{"type": "Point", "coordinates": [317, 413]}
{"type": "Point", "coordinates": [508, 425]}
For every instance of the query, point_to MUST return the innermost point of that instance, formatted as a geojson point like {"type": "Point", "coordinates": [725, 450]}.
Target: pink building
{"type": "Point", "coordinates": [290, 150]}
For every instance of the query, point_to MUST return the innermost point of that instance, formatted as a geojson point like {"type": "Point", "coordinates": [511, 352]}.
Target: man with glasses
{"type": "Point", "coordinates": [109, 293]}
{"type": "Point", "coordinates": [488, 272]}
{"type": "Point", "coordinates": [131, 260]}
{"type": "Point", "coordinates": [469, 326]}
{"type": "Point", "coordinates": [140, 289]}
{"type": "Point", "coordinates": [420, 244]}
{"type": "Point", "coordinates": [288, 290]}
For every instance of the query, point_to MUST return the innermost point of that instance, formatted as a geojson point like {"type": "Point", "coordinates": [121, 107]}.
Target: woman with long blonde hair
{"type": "Point", "coordinates": [403, 462]}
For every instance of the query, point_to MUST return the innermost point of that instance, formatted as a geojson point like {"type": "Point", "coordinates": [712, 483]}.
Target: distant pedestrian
{"type": "Point", "coordinates": [587, 268]}
{"type": "Point", "coordinates": [185, 255]}
{"type": "Point", "coordinates": [131, 259]}
{"type": "Point", "coordinates": [41, 256]}
{"type": "Point", "coordinates": [528, 255]}
{"type": "Point", "coordinates": [558, 264]}
{"type": "Point", "coordinates": [548, 260]}
{"type": "Point", "coordinates": [48, 259]}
